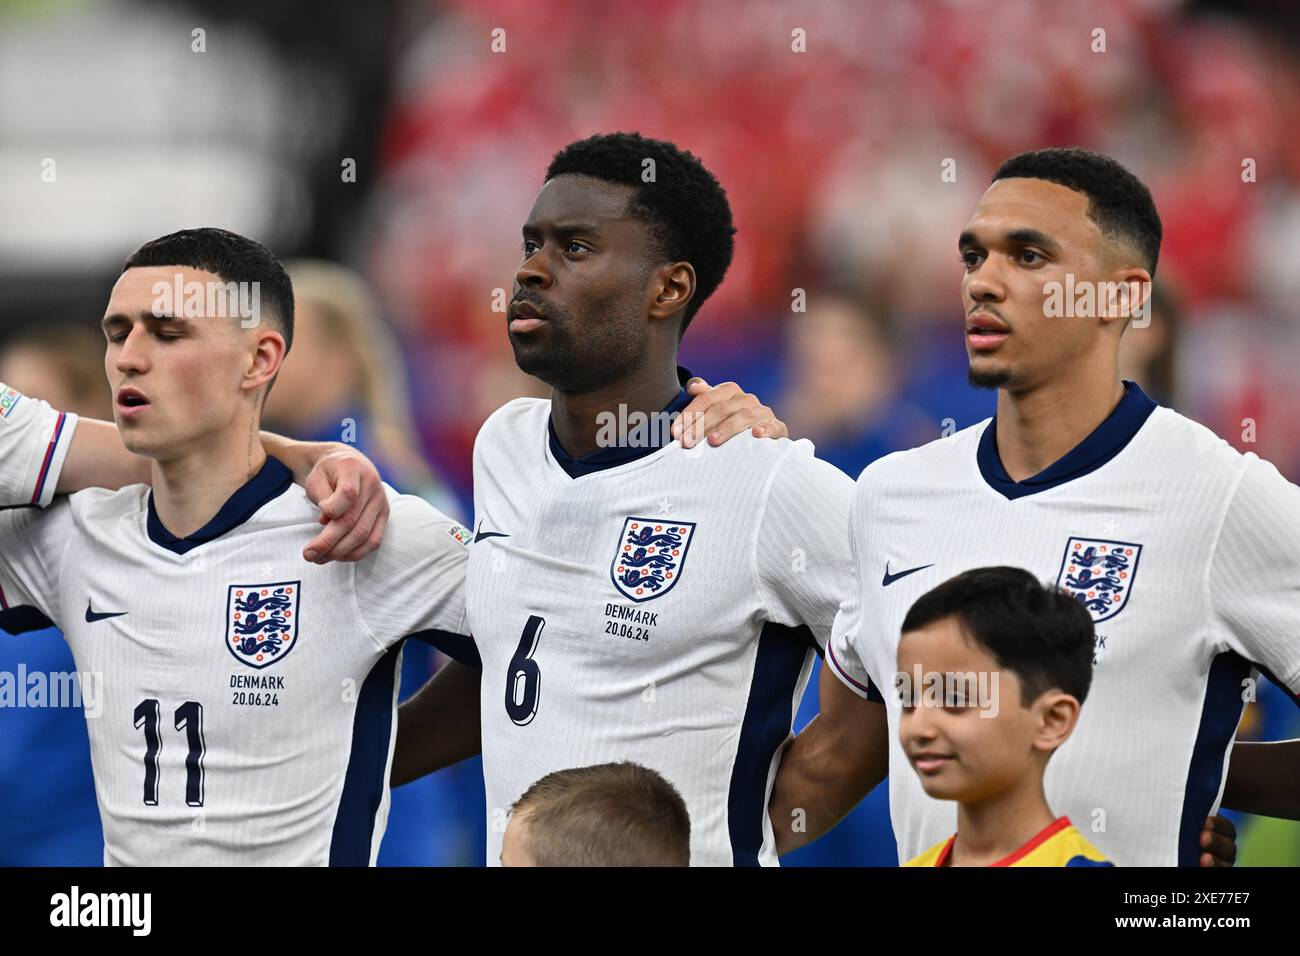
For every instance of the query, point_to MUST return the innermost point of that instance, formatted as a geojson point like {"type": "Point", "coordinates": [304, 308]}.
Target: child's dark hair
{"type": "Point", "coordinates": [1037, 631]}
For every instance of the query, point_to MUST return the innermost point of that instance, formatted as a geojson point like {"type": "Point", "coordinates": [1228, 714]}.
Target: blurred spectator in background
{"type": "Point", "coordinates": [843, 380]}
{"type": "Point", "coordinates": [48, 812]}
{"type": "Point", "coordinates": [344, 380]}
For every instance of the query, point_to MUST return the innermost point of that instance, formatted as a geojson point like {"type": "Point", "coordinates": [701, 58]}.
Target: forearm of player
{"type": "Point", "coordinates": [828, 768]}
{"type": "Point", "coordinates": [439, 725]}
{"type": "Point", "coordinates": [1264, 779]}
{"type": "Point", "coordinates": [98, 459]}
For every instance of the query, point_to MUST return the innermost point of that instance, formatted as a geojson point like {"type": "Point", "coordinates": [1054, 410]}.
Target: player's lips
{"type": "Point", "coordinates": [929, 763]}
{"type": "Point", "coordinates": [986, 331]}
{"type": "Point", "coordinates": [524, 317]}
{"type": "Point", "coordinates": [131, 401]}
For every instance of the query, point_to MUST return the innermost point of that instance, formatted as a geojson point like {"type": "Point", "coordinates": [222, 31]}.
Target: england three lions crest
{"type": "Point", "coordinates": [651, 554]}
{"type": "Point", "coordinates": [262, 621]}
{"type": "Point", "coordinates": [1099, 574]}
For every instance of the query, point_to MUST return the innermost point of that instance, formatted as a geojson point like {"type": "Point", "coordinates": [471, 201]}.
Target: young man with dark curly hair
{"type": "Point", "coordinates": [632, 596]}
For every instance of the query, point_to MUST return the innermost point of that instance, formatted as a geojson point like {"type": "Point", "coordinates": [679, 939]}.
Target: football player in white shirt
{"type": "Point", "coordinates": [633, 597]}
{"type": "Point", "coordinates": [215, 737]}
{"type": "Point", "coordinates": [1186, 552]}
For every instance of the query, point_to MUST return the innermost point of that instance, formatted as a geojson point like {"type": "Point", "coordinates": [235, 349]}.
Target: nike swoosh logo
{"type": "Point", "coordinates": [93, 616]}
{"type": "Point", "coordinates": [889, 579]}
{"type": "Point", "coordinates": [481, 534]}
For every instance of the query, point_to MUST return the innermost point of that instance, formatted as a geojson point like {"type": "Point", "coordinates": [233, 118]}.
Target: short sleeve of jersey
{"type": "Point", "coordinates": [843, 653]}
{"type": "Point", "coordinates": [415, 581]}
{"type": "Point", "coordinates": [802, 549]}
{"type": "Point", "coordinates": [32, 547]}
{"type": "Point", "coordinates": [34, 440]}
{"type": "Point", "coordinates": [1255, 573]}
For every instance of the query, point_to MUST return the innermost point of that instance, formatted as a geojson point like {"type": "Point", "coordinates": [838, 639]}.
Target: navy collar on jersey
{"type": "Point", "coordinates": [269, 483]}
{"type": "Point", "coordinates": [612, 457]}
{"type": "Point", "coordinates": [1106, 441]}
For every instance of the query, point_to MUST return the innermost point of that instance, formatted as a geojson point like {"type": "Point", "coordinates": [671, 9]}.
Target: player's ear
{"type": "Point", "coordinates": [1127, 297]}
{"type": "Point", "coordinates": [1057, 713]}
{"type": "Point", "coordinates": [673, 287]}
{"type": "Point", "coordinates": [265, 359]}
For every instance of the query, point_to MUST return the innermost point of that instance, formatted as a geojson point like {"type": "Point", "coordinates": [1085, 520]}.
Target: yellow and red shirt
{"type": "Point", "coordinates": [1058, 844]}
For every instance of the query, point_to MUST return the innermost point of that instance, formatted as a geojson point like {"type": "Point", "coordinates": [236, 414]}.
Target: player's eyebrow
{"type": "Point", "coordinates": [1032, 237]}
{"type": "Point", "coordinates": [117, 318]}
{"type": "Point", "coordinates": [1023, 236]}
{"type": "Point", "coordinates": [560, 228]}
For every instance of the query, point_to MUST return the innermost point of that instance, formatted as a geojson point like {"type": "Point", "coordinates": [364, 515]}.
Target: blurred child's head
{"type": "Point", "coordinates": [613, 814]}
{"type": "Point", "coordinates": [993, 668]}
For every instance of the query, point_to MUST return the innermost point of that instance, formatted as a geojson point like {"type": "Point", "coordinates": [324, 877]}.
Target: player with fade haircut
{"type": "Point", "coordinates": [993, 669]}
{"type": "Point", "coordinates": [656, 600]}
{"type": "Point", "coordinates": [1185, 552]}
{"type": "Point", "coordinates": [218, 738]}
{"type": "Point", "coordinates": [612, 814]}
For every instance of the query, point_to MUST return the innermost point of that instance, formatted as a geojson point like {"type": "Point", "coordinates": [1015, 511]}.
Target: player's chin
{"type": "Point", "coordinates": [536, 357]}
{"type": "Point", "coordinates": [141, 440]}
{"type": "Point", "coordinates": [988, 372]}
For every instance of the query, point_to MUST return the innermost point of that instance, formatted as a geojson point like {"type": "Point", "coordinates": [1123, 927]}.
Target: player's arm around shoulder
{"type": "Point", "coordinates": [415, 581]}
{"type": "Point", "coordinates": [1255, 593]}
{"type": "Point", "coordinates": [830, 766]}
{"type": "Point", "coordinates": [439, 725]}
{"type": "Point", "coordinates": [35, 544]}
{"type": "Point", "coordinates": [802, 554]}
{"type": "Point", "coordinates": [836, 760]}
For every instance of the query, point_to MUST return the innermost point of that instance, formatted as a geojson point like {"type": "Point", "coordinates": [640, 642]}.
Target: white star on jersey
{"type": "Point", "coordinates": [210, 706]}
{"type": "Point", "coordinates": [1207, 584]}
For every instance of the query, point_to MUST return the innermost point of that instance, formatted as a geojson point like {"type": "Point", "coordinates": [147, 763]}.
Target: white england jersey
{"type": "Point", "coordinates": [1187, 555]}
{"type": "Point", "coordinates": [664, 610]}
{"type": "Point", "coordinates": [240, 700]}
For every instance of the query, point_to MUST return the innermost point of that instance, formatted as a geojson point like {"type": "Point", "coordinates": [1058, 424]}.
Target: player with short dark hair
{"type": "Point", "coordinates": [1118, 202]}
{"type": "Point", "coordinates": [612, 814]}
{"type": "Point", "coordinates": [993, 669]}
{"type": "Point", "coordinates": [245, 714]}
{"type": "Point", "coordinates": [1185, 552]}
{"type": "Point", "coordinates": [632, 596]}
{"type": "Point", "coordinates": [235, 259]}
